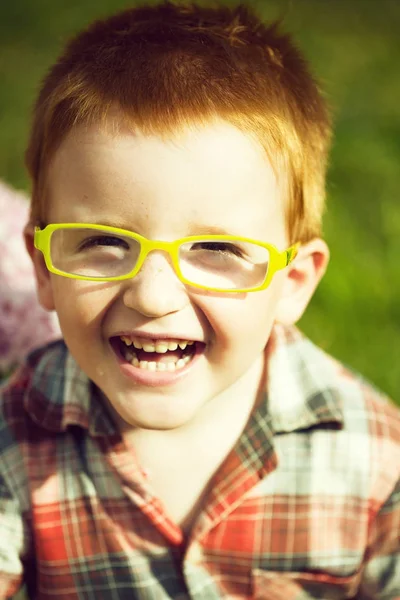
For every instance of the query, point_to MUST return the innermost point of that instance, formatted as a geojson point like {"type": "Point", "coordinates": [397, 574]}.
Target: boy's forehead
{"type": "Point", "coordinates": [208, 139]}
{"type": "Point", "coordinates": [212, 170]}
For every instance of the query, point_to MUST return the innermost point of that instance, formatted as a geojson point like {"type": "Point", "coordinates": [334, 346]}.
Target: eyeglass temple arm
{"type": "Point", "coordinates": [291, 253]}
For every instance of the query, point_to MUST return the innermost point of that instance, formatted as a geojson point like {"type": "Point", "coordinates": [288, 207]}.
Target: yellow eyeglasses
{"type": "Point", "coordinates": [220, 263]}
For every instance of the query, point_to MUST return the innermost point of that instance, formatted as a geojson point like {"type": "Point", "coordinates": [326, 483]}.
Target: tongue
{"type": "Point", "coordinates": [170, 356]}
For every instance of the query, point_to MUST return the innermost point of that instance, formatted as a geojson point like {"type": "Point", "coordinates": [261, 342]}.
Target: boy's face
{"type": "Point", "coordinates": [211, 180]}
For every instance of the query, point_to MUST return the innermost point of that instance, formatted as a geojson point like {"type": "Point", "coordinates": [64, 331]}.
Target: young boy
{"type": "Point", "coordinates": [187, 441]}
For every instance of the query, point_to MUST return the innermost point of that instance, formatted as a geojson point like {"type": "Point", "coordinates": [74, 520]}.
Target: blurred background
{"type": "Point", "coordinates": [354, 49]}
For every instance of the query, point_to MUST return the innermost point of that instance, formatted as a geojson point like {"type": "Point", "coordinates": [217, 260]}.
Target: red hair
{"type": "Point", "coordinates": [167, 67]}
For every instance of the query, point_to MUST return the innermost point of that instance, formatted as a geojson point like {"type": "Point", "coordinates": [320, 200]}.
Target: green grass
{"type": "Point", "coordinates": [354, 49]}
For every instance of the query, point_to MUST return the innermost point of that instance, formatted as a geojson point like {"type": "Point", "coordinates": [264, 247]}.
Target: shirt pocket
{"type": "Point", "coordinates": [273, 585]}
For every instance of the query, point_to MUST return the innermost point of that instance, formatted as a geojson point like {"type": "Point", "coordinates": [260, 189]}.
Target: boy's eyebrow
{"type": "Point", "coordinates": [107, 223]}
{"type": "Point", "coordinates": [211, 229]}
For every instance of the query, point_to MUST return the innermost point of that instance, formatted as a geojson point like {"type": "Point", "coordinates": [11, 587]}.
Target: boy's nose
{"type": "Point", "coordinates": [156, 290]}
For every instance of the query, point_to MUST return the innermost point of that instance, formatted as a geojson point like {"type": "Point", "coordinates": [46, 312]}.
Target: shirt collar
{"type": "Point", "coordinates": [301, 388]}
{"type": "Point", "coordinates": [302, 383]}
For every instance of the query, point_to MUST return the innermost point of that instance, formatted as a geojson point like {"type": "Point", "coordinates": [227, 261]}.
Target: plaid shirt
{"type": "Point", "coordinates": [306, 505]}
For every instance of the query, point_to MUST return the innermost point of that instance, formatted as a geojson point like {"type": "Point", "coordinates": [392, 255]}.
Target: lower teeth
{"type": "Point", "coordinates": [160, 366]}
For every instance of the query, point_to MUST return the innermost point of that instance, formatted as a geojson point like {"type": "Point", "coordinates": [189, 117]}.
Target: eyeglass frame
{"type": "Point", "coordinates": [278, 259]}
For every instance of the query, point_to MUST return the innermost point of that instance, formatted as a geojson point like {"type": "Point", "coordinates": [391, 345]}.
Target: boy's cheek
{"type": "Point", "coordinates": [84, 305]}
{"type": "Point", "coordinates": [248, 318]}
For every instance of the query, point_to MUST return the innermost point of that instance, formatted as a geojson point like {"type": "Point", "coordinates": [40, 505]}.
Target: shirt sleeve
{"type": "Point", "coordinates": [13, 542]}
{"type": "Point", "coordinates": [381, 579]}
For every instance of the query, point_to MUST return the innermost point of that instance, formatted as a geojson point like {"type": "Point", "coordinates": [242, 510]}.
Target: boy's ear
{"type": "Point", "coordinates": [42, 275]}
{"type": "Point", "coordinates": [302, 278]}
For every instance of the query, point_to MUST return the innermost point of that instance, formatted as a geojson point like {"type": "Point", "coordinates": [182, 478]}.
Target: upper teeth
{"type": "Point", "coordinates": [160, 346]}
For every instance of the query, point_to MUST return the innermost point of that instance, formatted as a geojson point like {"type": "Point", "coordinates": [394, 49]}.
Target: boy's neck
{"type": "Point", "coordinates": [180, 463]}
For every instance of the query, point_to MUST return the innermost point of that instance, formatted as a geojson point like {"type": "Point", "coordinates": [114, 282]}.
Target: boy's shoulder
{"type": "Point", "coordinates": [48, 392]}
{"type": "Point", "coordinates": [308, 387]}
{"type": "Point", "coordinates": [18, 431]}
{"type": "Point", "coordinates": [343, 432]}
{"type": "Point", "coordinates": [36, 378]}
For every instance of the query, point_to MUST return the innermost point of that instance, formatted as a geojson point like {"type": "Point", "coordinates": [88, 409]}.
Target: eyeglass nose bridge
{"type": "Point", "coordinates": [148, 246]}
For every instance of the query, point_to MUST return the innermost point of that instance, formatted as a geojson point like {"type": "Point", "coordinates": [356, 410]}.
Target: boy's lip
{"type": "Point", "coordinates": [156, 336]}
{"type": "Point", "coordinates": [160, 378]}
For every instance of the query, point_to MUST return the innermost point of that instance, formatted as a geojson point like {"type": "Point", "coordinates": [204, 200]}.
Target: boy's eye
{"type": "Point", "coordinates": [99, 241]}
{"type": "Point", "coordinates": [218, 248]}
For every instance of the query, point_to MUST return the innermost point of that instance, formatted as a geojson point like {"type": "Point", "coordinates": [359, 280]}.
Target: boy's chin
{"type": "Point", "coordinates": [128, 424]}
{"type": "Point", "coordinates": [151, 410]}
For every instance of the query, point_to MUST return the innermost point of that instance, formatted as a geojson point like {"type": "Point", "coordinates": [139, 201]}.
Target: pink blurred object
{"type": "Point", "coordinates": [24, 324]}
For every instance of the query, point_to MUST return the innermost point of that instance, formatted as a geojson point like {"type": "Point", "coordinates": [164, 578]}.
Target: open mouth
{"type": "Point", "coordinates": [156, 355]}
